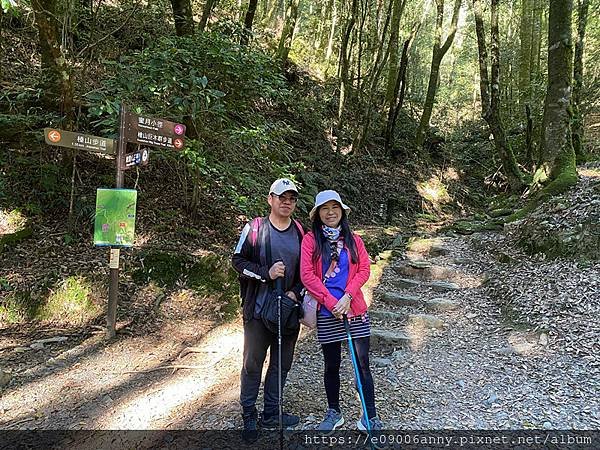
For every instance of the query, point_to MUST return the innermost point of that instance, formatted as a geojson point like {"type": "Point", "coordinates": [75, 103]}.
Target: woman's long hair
{"type": "Point", "coordinates": [323, 248]}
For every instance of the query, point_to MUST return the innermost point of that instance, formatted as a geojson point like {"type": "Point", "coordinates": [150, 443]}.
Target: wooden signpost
{"type": "Point", "coordinates": [134, 129]}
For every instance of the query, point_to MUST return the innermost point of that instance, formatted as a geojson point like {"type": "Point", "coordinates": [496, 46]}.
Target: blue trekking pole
{"type": "Point", "coordinates": [279, 289]}
{"type": "Point", "coordinates": [357, 376]}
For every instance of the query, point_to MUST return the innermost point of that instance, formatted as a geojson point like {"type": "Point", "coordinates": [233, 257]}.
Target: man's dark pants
{"type": "Point", "coordinates": [257, 339]}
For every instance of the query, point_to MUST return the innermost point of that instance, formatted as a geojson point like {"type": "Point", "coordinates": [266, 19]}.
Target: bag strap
{"type": "Point", "coordinates": [332, 267]}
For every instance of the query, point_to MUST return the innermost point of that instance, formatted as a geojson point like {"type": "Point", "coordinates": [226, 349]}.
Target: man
{"type": "Point", "coordinates": [257, 274]}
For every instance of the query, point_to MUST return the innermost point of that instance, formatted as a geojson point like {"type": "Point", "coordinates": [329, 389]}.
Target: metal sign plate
{"type": "Point", "coordinates": [154, 132]}
{"type": "Point", "coordinates": [80, 141]}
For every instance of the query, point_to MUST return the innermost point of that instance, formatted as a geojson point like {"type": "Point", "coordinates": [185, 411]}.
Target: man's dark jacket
{"type": "Point", "coordinates": [254, 269]}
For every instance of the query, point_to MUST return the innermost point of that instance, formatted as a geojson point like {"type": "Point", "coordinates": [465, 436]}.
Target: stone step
{"type": "Point", "coordinates": [424, 270]}
{"type": "Point", "coordinates": [388, 316]}
{"type": "Point", "coordinates": [388, 339]}
{"type": "Point", "coordinates": [402, 300]}
{"type": "Point", "coordinates": [434, 304]}
{"type": "Point", "coordinates": [440, 304]}
{"type": "Point", "coordinates": [439, 286]}
{"type": "Point", "coordinates": [425, 321]}
{"type": "Point", "coordinates": [431, 247]}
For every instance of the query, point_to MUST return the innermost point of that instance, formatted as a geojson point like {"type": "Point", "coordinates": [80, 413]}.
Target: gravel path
{"type": "Point", "coordinates": [446, 354]}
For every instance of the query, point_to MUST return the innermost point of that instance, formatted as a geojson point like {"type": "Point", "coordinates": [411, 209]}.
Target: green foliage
{"type": "Point", "coordinates": [209, 275]}
{"type": "Point", "coordinates": [71, 301]}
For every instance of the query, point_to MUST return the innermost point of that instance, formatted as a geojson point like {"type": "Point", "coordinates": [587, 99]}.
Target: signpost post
{"type": "Point", "coordinates": [135, 129]}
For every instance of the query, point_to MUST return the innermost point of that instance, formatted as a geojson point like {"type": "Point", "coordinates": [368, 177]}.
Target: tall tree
{"type": "Point", "coordinates": [490, 93]}
{"type": "Point", "coordinates": [206, 12]}
{"type": "Point", "coordinates": [287, 34]}
{"type": "Point", "coordinates": [439, 51]}
{"type": "Point", "coordinates": [582, 13]}
{"type": "Point", "coordinates": [526, 30]}
{"type": "Point", "coordinates": [182, 13]}
{"type": "Point", "coordinates": [393, 50]}
{"type": "Point", "coordinates": [344, 65]}
{"type": "Point", "coordinates": [329, 50]}
{"type": "Point", "coordinates": [558, 156]}
{"type": "Point", "coordinates": [54, 61]}
{"type": "Point", "coordinates": [248, 20]}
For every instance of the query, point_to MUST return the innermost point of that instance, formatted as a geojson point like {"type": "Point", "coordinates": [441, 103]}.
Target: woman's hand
{"type": "Point", "coordinates": [342, 307]}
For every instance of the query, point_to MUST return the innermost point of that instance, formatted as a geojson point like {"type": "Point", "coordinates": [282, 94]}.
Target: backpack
{"type": "Point", "coordinates": [255, 225]}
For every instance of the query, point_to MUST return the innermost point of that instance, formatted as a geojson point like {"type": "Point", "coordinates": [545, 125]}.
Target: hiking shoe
{"type": "Point", "coordinates": [272, 422]}
{"type": "Point", "coordinates": [376, 424]}
{"type": "Point", "coordinates": [250, 431]}
{"type": "Point", "coordinates": [377, 437]}
{"type": "Point", "coordinates": [332, 420]}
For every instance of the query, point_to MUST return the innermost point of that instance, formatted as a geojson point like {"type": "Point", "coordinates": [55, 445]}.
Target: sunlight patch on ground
{"type": "Point", "coordinates": [146, 410]}
{"type": "Point", "coordinates": [592, 173]}
{"type": "Point", "coordinates": [433, 190]}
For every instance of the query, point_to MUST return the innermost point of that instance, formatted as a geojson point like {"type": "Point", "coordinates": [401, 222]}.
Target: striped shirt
{"type": "Point", "coordinates": [330, 329]}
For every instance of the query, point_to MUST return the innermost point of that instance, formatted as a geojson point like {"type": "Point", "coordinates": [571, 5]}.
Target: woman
{"type": "Point", "coordinates": [334, 265]}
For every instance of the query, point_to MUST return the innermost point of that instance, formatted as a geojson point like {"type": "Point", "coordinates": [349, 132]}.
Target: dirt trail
{"type": "Point", "coordinates": [444, 356]}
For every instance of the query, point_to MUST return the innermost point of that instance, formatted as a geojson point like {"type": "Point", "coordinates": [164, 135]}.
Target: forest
{"type": "Point", "coordinates": [464, 135]}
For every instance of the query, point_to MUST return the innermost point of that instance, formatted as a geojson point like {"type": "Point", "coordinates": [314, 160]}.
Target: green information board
{"type": "Point", "coordinates": [115, 217]}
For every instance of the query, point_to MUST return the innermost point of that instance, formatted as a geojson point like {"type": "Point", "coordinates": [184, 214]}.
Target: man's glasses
{"type": "Point", "coordinates": [286, 198]}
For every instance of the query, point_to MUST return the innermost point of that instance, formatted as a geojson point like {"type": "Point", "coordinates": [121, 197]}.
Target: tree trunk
{"type": "Point", "coordinates": [248, 22]}
{"type": "Point", "coordinates": [287, 34]}
{"type": "Point", "coordinates": [525, 53]}
{"type": "Point", "coordinates": [380, 60]}
{"type": "Point", "coordinates": [438, 53]}
{"type": "Point", "coordinates": [182, 13]}
{"type": "Point", "coordinates": [331, 31]}
{"type": "Point", "coordinates": [206, 12]}
{"type": "Point", "coordinates": [582, 13]}
{"type": "Point", "coordinates": [490, 106]}
{"type": "Point", "coordinates": [345, 61]}
{"type": "Point", "coordinates": [54, 63]}
{"type": "Point", "coordinates": [392, 93]}
{"type": "Point", "coordinates": [399, 90]}
{"type": "Point", "coordinates": [558, 155]}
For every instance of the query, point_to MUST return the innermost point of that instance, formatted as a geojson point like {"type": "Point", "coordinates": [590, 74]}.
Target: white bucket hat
{"type": "Point", "coordinates": [325, 196]}
{"type": "Point", "coordinates": [282, 185]}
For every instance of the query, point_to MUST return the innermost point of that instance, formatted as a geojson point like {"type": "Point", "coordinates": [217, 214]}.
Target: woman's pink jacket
{"type": "Point", "coordinates": [311, 273]}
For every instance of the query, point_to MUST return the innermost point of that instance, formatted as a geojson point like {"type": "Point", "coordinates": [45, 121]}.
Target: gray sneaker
{"type": "Point", "coordinates": [378, 439]}
{"type": "Point", "coordinates": [332, 420]}
{"type": "Point", "coordinates": [376, 424]}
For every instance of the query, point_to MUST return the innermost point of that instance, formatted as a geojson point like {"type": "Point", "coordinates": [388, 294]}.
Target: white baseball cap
{"type": "Point", "coordinates": [325, 196]}
{"type": "Point", "coordinates": [282, 185]}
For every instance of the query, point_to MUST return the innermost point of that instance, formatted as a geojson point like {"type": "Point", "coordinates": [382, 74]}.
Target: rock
{"type": "Point", "coordinates": [402, 300]}
{"type": "Point", "coordinates": [471, 315]}
{"type": "Point", "coordinates": [440, 304]}
{"type": "Point", "coordinates": [390, 316]}
{"type": "Point", "coordinates": [52, 339]}
{"type": "Point", "coordinates": [428, 271]}
{"type": "Point", "coordinates": [37, 346]}
{"type": "Point", "coordinates": [405, 283]}
{"type": "Point", "coordinates": [5, 378]}
{"type": "Point", "coordinates": [397, 242]}
{"type": "Point", "coordinates": [381, 362]}
{"type": "Point", "coordinates": [439, 250]}
{"type": "Point", "coordinates": [21, 349]}
{"type": "Point", "coordinates": [547, 425]}
{"type": "Point", "coordinates": [385, 339]}
{"type": "Point", "coordinates": [461, 383]}
{"type": "Point", "coordinates": [420, 264]}
{"type": "Point", "coordinates": [426, 321]}
{"type": "Point", "coordinates": [493, 398]}
{"type": "Point", "coordinates": [501, 212]}
{"type": "Point", "coordinates": [441, 286]}
{"type": "Point", "coordinates": [543, 339]}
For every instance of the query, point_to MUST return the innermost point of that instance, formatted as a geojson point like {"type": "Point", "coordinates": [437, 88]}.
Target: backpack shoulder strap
{"type": "Point", "coordinates": [254, 227]}
{"type": "Point", "coordinates": [300, 228]}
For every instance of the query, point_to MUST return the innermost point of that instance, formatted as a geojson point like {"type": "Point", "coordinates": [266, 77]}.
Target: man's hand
{"type": "Point", "coordinates": [277, 270]}
{"type": "Point", "coordinates": [342, 307]}
{"type": "Point", "coordinates": [292, 295]}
